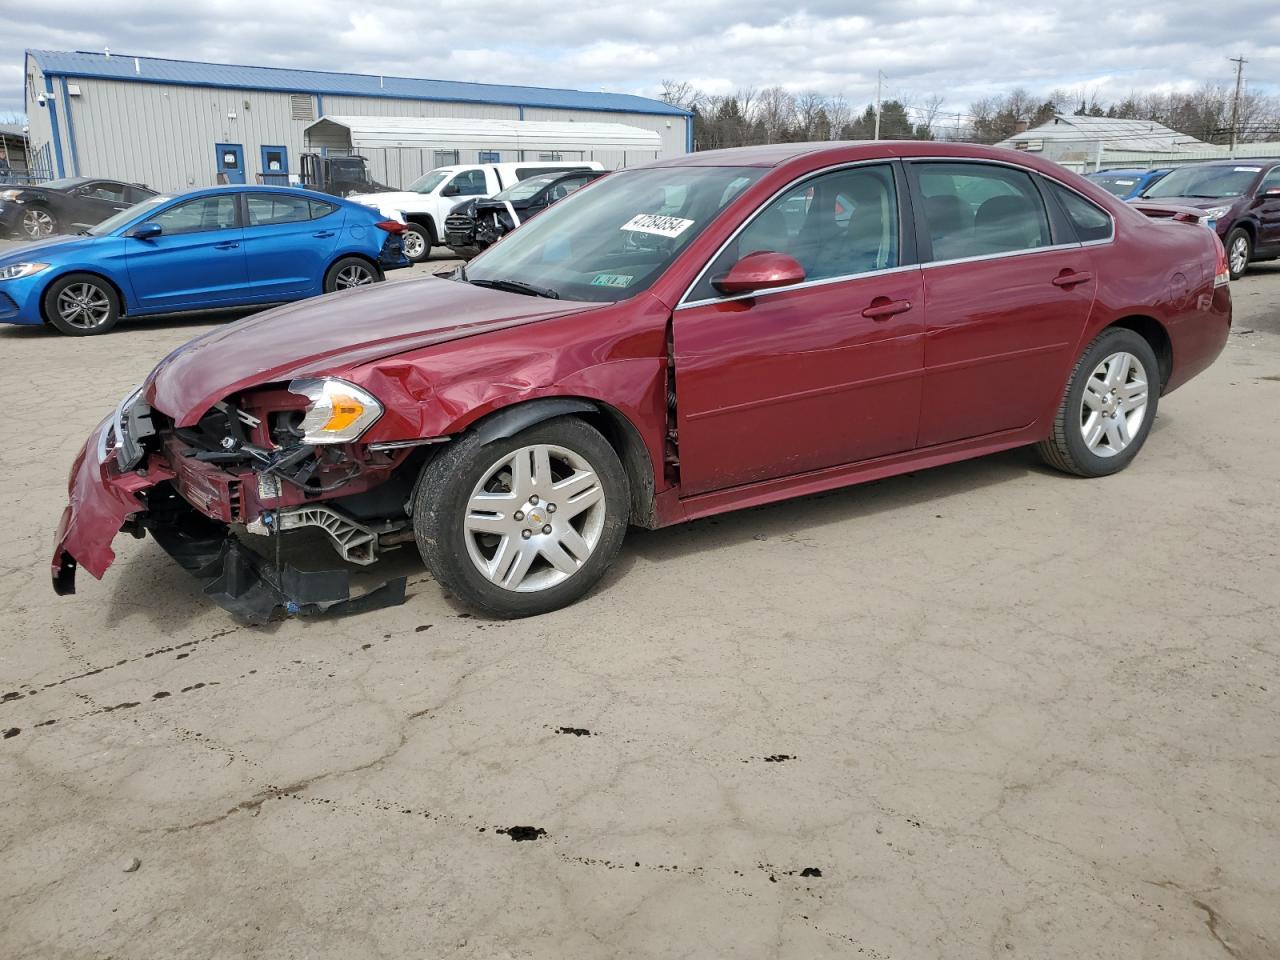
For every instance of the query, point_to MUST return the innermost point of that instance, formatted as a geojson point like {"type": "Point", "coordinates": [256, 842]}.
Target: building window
{"type": "Point", "coordinates": [550, 156]}
{"type": "Point", "coordinates": [490, 156]}
{"type": "Point", "coordinates": [302, 107]}
{"type": "Point", "coordinates": [445, 158]}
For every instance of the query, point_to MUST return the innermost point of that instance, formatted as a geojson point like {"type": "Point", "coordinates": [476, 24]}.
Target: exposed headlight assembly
{"type": "Point", "coordinates": [10, 194]}
{"type": "Point", "coordinates": [16, 271]}
{"type": "Point", "coordinates": [338, 412]}
{"type": "Point", "coordinates": [1215, 213]}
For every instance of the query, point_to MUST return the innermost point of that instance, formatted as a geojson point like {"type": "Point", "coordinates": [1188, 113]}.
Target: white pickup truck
{"type": "Point", "coordinates": [426, 202]}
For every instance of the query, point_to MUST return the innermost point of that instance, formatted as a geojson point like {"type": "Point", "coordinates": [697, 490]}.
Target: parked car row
{"type": "Point", "coordinates": [700, 334]}
{"type": "Point", "coordinates": [1239, 199]}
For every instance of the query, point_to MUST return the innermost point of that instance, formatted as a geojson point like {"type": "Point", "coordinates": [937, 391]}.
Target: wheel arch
{"type": "Point", "coordinates": [115, 287]}
{"type": "Point", "coordinates": [349, 255]}
{"type": "Point", "coordinates": [1249, 227]}
{"type": "Point", "coordinates": [427, 221]}
{"type": "Point", "coordinates": [613, 424]}
{"type": "Point", "coordinates": [1154, 332]}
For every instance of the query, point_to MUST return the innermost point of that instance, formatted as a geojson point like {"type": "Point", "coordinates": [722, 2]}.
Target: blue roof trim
{"type": "Point", "coordinates": [319, 82]}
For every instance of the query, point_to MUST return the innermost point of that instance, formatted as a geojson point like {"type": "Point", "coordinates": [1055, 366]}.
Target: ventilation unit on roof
{"type": "Point", "coordinates": [301, 107]}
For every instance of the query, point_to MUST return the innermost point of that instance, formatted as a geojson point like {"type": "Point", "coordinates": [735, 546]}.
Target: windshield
{"type": "Point", "coordinates": [428, 181]}
{"type": "Point", "coordinates": [614, 240]}
{"type": "Point", "coordinates": [1120, 186]}
{"type": "Point", "coordinates": [124, 216]}
{"type": "Point", "coordinates": [527, 188]}
{"type": "Point", "coordinates": [1211, 183]}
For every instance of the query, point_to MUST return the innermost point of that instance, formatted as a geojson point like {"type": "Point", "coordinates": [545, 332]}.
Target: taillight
{"type": "Point", "coordinates": [391, 226]}
{"type": "Point", "coordinates": [1222, 273]}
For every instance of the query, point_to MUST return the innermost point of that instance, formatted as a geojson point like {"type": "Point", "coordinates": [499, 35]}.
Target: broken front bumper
{"type": "Point", "coordinates": [103, 498]}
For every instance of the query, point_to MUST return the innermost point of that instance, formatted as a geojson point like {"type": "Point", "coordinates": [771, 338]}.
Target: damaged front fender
{"type": "Point", "coordinates": [100, 500]}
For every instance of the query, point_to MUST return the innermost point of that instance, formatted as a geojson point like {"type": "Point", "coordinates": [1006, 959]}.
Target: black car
{"type": "Point", "coordinates": [476, 224]}
{"type": "Point", "coordinates": [65, 206]}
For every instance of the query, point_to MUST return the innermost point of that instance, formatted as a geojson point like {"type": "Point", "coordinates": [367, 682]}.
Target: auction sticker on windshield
{"type": "Point", "coordinates": [612, 280]}
{"type": "Point", "coordinates": [657, 224]}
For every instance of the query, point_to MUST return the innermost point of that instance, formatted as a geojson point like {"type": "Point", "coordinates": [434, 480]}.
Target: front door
{"type": "Point", "coordinates": [230, 162]}
{"type": "Point", "coordinates": [1267, 207]}
{"type": "Point", "coordinates": [821, 373]}
{"type": "Point", "coordinates": [196, 261]}
{"type": "Point", "coordinates": [1008, 299]}
{"type": "Point", "coordinates": [97, 200]}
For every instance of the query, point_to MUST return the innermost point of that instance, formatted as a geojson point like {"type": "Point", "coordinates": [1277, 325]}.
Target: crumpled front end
{"type": "Point", "coordinates": [188, 487]}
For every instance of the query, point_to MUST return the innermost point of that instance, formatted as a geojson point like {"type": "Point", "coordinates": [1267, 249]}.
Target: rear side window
{"type": "Point", "coordinates": [321, 209]}
{"type": "Point", "coordinates": [979, 210]}
{"type": "Point", "coordinates": [270, 208]}
{"type": "Point", "coordinates": [1091, 222]}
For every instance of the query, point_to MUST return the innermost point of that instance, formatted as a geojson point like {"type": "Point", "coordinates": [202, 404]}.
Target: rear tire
{"type": "Point", "coordinates": [1108, 408]}
{"type": "Point", "coordinates": [350, 272]}
{"type": "Point", "coordinates": [526, 524]}
{"type": "Point", "coordinates": [1239, 252]}
{"type": "Point", "coordinates": [81, 305]}
{"type": "Point", "coordinates": [417, 243]}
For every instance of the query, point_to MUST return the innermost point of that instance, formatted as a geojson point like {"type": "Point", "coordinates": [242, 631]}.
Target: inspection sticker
{"type": "Point", "coordinates": [611, 280]}
{"type": "Point", "coordinates": [657, 224]}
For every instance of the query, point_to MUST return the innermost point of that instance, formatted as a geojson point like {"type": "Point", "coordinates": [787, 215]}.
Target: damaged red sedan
{"type": "Point", "coordinates": [702, 334]}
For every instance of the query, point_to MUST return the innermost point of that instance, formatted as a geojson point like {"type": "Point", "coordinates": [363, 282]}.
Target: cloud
{"type": "Point", "coordinates": [960, 50]}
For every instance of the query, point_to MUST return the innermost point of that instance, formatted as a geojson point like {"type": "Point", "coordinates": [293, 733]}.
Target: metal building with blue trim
{"type": "Point", "coordinates": [176, 124]}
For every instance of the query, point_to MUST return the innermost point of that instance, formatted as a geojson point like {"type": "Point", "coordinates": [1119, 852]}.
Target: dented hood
{"type": "Point", "coordinates": [332, 333]}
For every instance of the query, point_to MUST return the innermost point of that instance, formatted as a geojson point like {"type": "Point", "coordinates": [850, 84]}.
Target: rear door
{"type": "Point", "coordinates": [289, 240]}
{"type": "Point", "coordinates": [820, 373]}
{"type": "Point", "coordinates": [1009, 290]}
{"type": "Point", "coordinates": [198, 260]}
{"type": "Point", "coordinates": [95, 201]}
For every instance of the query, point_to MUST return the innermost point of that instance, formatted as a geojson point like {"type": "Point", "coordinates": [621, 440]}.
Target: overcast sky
{"type": "Point", "coordinates": [962, 49]}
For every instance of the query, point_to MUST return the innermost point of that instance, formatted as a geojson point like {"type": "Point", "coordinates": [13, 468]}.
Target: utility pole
{"type": "Point", "coordinates": [879, 78]}
{"type": "Point", "coordinates": [1235, 104]}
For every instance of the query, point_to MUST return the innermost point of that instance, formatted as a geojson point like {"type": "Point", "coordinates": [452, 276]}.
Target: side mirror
{"type": "Point", "coordinates": [762, 270]}
{"type": "Point", "coordinates": [452, 190]}
{"type": "Point", "coordinates": [148, 231]}
{"type": "Point", "coordinates": [1271, 192]}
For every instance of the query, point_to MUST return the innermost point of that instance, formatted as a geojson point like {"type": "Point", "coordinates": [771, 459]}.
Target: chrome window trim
{"type": "Point", "coordinates": [684, 300]}
{"type": "Point", "coordinates": [795, 286]}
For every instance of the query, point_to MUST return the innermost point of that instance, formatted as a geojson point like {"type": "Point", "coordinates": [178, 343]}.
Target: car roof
{"type": "Point", "coordinates": [1128, 171]}
{"type": "Point", "coordinates": [779, 154]}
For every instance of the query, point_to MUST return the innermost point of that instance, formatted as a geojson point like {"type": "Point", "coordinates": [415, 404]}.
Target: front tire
{"type": "Point", "coordinates": [38, 223]}
{"type": "Point", "coordinates": [1239, 252]}
{"type": "Point", "coordinates": [417, 243]}
{"type": "Point", "coordinates": [350, 272]}
{"type": "Point", "coordinates": [81, 305]}
{"type": "Point", "coordinates": [526, 524]}
{"type": "Point", "coordinates": [1109, 406]}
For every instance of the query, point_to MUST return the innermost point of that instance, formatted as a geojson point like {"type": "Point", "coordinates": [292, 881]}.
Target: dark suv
{"type": "Point", "coordinates": [1241, 199]}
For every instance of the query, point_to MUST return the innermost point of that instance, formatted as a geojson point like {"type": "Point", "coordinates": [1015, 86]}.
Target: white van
{"type": "Point", "coordinates": [430, 198]}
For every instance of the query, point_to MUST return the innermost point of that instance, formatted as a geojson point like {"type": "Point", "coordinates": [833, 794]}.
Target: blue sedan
{"type": "Point", "coordinates": [220, 247]}
{"type": "Point", "coordinates": [1127, 184]}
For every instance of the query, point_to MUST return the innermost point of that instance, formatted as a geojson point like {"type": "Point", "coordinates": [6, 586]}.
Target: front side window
{"type": "Point", "coordinates": [614, 240]}
{"type": "Point", "coordinates": [566, 187]}
{"type": "Point", "coordinates": [839, 224]}
{"type": "Point", "coordinates": [195, 216]}
{"type": "Point", "coordinates": [126, 216]}
{"type": "Point", "coordinates": [979, 210]}
{"type": "Point", "coordinates": [269, 208]}
{"type": "Point", "coordinates": [101, 190]}
{"type": "Point", "coordinates": [524, 189]}
{"type": "Point", "coordinates": [1090, 221]}
{"type": "Point", "coordinates": [1271, 181]}
{"type": "Point", "coordinates": [470, 183]}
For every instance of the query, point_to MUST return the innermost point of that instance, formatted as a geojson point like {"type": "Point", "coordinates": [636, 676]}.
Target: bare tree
{"type": "Point", "coordinates": [681, 93]}
{"type": "Point", "coordinates": [775, 112]}
{"type": "Point", "coordinates": [839, 114]}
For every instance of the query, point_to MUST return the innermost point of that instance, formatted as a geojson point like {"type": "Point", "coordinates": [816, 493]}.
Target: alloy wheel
{"type": "Point", "coordinates": [534, 518]}
{"type": "Point", "coordinates": [37, 224]}
{"type": "Point", "coordinates": [84, 305]}
{"type": "Point", "coordinates": [1114, 404]}
{"type": "Point", "coordinates": [1239, 254]}
{"type": "Point", "coordinates": [355, 275]}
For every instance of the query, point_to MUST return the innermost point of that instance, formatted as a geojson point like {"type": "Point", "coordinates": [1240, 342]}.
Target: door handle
{"type": "Point", "coordinates": [226, 245]}
{"type": "Point", "coordinates": [1069, 278]}
{"type": "Point", "coordinates": [882, 308]}
{"type": "Point", "coordinates": [323, 234]}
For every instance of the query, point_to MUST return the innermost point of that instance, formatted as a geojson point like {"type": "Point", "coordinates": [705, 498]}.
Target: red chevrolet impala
{"type": "Point", "coordinates": [676, 340]}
